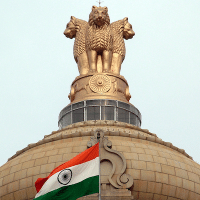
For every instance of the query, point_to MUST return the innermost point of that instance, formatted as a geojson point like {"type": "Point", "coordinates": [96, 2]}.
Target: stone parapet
{"type": "Point", "coordinates": [111, 128]}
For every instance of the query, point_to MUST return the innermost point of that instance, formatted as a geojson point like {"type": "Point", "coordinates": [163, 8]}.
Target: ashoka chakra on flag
{"type": "Point", "coordinates": [76, 178]}
{"type": "Point", "coordinates": [65, 176]}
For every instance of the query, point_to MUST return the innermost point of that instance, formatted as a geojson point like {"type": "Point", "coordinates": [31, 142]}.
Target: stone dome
{"type": "Point", "coordinates": [160, 170]}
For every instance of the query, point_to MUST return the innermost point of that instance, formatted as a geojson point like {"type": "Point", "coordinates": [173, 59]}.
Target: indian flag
{"type": "Point", "coordinates": [76, 178]}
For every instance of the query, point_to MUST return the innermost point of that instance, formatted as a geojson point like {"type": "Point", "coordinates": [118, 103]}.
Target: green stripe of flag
{"type": "Point", "coordinates": [72, 192]}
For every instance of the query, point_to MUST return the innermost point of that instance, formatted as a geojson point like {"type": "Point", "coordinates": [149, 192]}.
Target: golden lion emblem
{"type": "Point", "coordinates": [96, 39]}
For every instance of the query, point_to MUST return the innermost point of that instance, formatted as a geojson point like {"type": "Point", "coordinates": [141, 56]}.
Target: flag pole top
{"type": "Point", "coordinates": [99, 2]}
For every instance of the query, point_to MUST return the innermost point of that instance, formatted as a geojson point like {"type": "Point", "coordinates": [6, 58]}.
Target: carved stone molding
{"type": "Point", "coordinates": [114, 128]}
{"type": "Point", "coordinates": [113, 163]}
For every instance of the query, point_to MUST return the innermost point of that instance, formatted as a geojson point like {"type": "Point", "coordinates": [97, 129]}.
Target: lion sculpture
{"type": "Point", "coordinates": [121, 30]}
{"type": "Point", "coordinates": [76, 29]}
{"type": "Point", "coordinates": [99, 39]}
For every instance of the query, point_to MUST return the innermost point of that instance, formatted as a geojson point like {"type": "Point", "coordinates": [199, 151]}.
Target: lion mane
{"type": "Point", "coordinates": [118, 41]}
{"type": "Point", "coordinates": [76, 28]}
{"type": "Point", "coordinates": [98, 37]}
{"type": "Point", "coordinates": [119, 32]}
{"type": "Point", "coordinates": [79, 43]}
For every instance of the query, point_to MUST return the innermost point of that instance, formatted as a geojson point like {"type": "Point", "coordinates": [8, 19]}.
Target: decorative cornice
{"type": "Point", "coordinates": [112, 128]}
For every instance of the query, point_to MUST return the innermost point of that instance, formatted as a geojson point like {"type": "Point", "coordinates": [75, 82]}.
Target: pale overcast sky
{"type": "Point", "coordinates": [162, 67]}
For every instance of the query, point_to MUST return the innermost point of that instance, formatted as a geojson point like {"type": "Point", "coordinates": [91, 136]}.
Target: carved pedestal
{"type": "Point", "coordinates": [99, 86]}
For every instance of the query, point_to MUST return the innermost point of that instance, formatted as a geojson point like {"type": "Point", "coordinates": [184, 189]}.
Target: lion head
{"type": "Point", "coordinates": [71, 28]}
{"type": "Point", "coordinates": [99, 16]}
{"type": "Point", "coordinates": [128, 32]}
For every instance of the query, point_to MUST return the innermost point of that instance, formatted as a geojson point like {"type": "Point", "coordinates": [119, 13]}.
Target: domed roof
{"type": "Point", "coordinates": [159, 170]}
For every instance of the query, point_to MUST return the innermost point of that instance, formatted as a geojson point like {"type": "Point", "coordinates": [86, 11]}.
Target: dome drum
{"type": "Point", "coordinates": [99, 109]}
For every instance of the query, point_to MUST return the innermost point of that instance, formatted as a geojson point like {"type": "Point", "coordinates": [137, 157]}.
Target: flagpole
{"type": "Point", "coordinates": [99, 173]}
